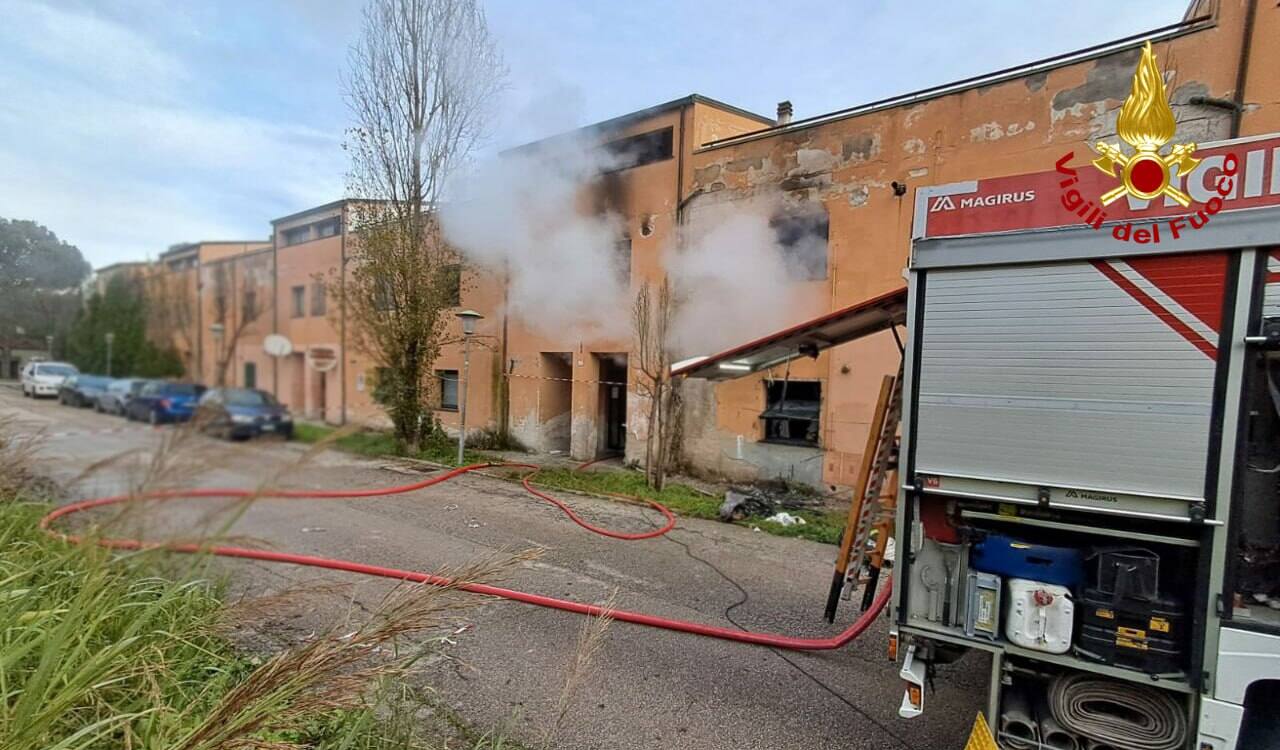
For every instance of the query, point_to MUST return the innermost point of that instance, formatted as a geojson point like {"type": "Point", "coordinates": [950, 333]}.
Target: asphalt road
{"type": "Point", "coordinates": [649, 689]}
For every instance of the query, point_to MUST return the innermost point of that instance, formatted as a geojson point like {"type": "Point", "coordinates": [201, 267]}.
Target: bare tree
{"type": "Point", "coordinates": [171, 313]}
{"type": "Point", "coordinates": [422, 78]}
{"type": "Point", "coordinates": [236, 307]}
{"type": "Point", "coordinates": [651, 324]}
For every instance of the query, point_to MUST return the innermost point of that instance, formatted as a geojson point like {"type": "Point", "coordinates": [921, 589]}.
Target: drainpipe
{"type": "Point", "coordinates": [1242, 72]}
{"type": "Point", "coordinates": [680, 172]}
{"type": "Point", "coordinates": [198, 375]}
{"type": "Point", "coordinates": [504, 381]}
{"type": "Point", "coordinates": [342, 314]}
{"type": "Point", "coordinates": [275, 312]}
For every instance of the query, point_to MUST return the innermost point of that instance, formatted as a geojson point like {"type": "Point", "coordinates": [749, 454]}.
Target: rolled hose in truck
{"type": "Point", "coordinates": [1118, 713]}
{"type": "Point", "coordinates": [638, 618]}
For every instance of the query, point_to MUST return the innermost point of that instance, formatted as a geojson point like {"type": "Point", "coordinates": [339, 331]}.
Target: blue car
{"type": "Point", "coordinates": [82, 390]}
{"type": "Point", "coordinates": [160, 402]}
{"type": "Point", "coordinates": [243, 413]}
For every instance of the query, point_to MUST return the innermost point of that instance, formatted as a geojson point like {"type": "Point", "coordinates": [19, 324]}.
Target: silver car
{"type": "Point", "coordinates": [115, 399]}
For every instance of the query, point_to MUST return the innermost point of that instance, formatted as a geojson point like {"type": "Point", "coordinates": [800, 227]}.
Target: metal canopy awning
{"type": "Point", "coordinates": [806, 339]}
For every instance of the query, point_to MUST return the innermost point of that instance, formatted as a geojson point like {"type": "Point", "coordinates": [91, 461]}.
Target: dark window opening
{"type": "Point", "coordinates": [622, 259]}
{"type": "Point", "coordinates": [639, 150]}
{"type": "Point", "coordinates": [299, 301]}
{"type": "Point", "coordinates": [803, 239]}
{"type": "Point", "coordinates": [452, 285]}
{"type": "Point", "coordinates": [249, 308]}
{"type": "Point", "coordinates": [297, 235]}
{"type": "Point", "coordinates": [328, 227]}
{"type": "Point", "coordinates": [447, 380]}
{"type": "Point", "coordinates": [318, 302]}
{"type": "Point", "coordinates": [1253, 572]}
{"type": "Point", "coordinates": [384, 297]}
{"type": "Point", "coordinates": [791, 411]}
{"type": "Point", "coordinates": [250, 375]}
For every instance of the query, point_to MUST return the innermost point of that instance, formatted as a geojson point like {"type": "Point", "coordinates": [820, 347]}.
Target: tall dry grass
{"type": "Point", "coordinates": [98, 651]}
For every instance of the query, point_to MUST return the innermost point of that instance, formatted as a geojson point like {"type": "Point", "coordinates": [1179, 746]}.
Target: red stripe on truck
{"type": "Point", "coordinates": [1157, 309]}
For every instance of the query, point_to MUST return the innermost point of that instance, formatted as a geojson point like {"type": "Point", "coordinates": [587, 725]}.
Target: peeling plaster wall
{"type": "Point", "coordinates": [714, 453]}
{"type": "Point", "coordinates": [1017, 126]}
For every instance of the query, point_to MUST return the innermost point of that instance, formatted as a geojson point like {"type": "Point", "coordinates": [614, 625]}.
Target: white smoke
{"type": "Point", "coordinates": [736, 281]}
{"type": "Point", "coordinates": [530, 213]}
{"type": "Point", "coordinates": [524, 214]}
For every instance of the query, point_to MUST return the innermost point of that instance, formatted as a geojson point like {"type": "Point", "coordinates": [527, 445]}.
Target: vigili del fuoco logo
{"type": "Point", "coordinates": [1147, 170]}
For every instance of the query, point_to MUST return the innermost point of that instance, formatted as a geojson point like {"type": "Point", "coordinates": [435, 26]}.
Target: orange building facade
{"type": "Point", "coordinates": [845, 180]}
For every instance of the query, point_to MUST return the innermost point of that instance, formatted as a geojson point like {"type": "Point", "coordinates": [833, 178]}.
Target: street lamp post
{"type": "Point", "coordinates": [217, 330]}
{"type": "Point", "coordinates": [468, 318]}
{"type": "Point", "coordinates": [111, 338]}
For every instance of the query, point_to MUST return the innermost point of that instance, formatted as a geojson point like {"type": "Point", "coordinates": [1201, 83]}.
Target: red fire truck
{"type": "Point", "coordinates": [1090, 454]}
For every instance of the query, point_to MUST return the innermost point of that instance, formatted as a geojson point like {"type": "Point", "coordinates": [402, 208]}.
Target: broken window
{"type": "Point", "coordinates": [447, 382]}
{"type": "Point", "coordinates": [638, 150]}
{"type": "Point", "coordinates": [803, 241]}
{"type": "Point", "coordinates": [791, 411]}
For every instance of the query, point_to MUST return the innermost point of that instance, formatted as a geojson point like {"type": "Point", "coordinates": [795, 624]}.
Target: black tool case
{"type": "Point", "coordinates": [1149, 635]}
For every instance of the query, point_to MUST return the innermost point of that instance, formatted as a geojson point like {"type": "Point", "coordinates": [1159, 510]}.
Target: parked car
{"type": "Point", "coordinates": [117, 396]}
{"type": "Point", "coordinates": [160, 401]}
{"type": "Point", "coordinates": [82, 390]}
{"type": "Point", "coordinates": [236, 413]}
{"type": "Point", "coordinates": [44, 378]}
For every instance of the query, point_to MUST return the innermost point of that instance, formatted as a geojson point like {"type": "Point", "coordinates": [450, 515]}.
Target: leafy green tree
{"type": "Point", "coordinates": [40, 278]}
{"type": "Point", "coordinates": [33, 257]}
{"type": "Point", "coordinates": [121, 309]}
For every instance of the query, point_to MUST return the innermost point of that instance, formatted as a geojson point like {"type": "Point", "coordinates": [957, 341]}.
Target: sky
{"type": "Point", "coordinates": [128, 126]}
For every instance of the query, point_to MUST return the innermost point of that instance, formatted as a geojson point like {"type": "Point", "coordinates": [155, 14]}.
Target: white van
{"type": "Point", "coordinates": [44, 378]}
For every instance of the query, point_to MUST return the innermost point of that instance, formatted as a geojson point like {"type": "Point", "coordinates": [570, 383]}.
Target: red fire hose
{"type": "Point", "coordinates": [638, 618]}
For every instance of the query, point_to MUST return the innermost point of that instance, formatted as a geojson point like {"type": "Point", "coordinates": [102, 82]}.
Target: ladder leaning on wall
{"type": "Point", "coordinates": [871, 512]}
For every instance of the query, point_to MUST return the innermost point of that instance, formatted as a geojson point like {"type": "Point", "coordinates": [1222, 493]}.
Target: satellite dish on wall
{"type": "Point", "coordinates": [277, 345]}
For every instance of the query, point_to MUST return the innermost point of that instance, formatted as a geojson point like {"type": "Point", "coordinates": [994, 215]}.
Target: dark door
{"type": "Point", "coordinates": [613, 403]}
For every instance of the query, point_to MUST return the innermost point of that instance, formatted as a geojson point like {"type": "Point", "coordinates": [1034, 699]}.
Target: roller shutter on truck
{"type": "Point", "coordinates": [1091, 374]}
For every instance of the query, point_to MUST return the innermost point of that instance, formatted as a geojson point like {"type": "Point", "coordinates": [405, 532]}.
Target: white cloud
{"type": "Point", "coordinates": [109, 141]}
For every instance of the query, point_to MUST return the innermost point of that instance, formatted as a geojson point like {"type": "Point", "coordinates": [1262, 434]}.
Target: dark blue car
{"type": "Point", "coordinates": [82, 390]}
{"type": "Point", "coordinates": [235, 413]}
{"type": "Point", "coordinates": [160, 402]}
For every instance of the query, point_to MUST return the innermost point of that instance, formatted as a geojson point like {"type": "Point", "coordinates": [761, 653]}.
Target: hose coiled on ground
{"type": "Point", "coordinates": [772, 640]}
{"type": "Point", "coordinates": [1115, 713]}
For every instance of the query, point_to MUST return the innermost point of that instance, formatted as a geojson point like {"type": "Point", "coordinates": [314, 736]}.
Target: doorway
{"type": "Point", "coordinates": [613, 403]}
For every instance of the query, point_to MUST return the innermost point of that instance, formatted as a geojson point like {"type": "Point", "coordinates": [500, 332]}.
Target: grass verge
{"type": "Point", "coordinates": [378, 443]}
{"type": "Point", "coordinates": [819, 526]}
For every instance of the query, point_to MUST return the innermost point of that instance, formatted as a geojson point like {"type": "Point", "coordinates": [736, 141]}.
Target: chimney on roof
{"type": "Point", "coordinates": [784, 112]}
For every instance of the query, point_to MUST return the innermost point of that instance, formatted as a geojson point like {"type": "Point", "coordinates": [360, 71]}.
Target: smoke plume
{"type": "Point", "coordinates": [523, 213]}
{"type": "Point", "coordinates": [738, 271]}
{"type": "Point", "coordinates": [736, 280]}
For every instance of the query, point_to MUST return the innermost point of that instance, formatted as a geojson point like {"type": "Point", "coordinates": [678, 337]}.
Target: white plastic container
{"type": "Point", "coordinates": [1041, 616]}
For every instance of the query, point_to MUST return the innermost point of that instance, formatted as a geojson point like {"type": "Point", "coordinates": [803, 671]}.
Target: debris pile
{"type": "Point", "coordinates": [767, 499]}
